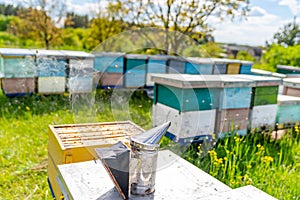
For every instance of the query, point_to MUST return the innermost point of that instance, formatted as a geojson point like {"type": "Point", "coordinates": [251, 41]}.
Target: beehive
{"type": "Point", "coordinates": [79, 71]}
{"type": "Point", "coordinates": [233, 66]}
{"type": "Point", "coordinates": [135, 73]}
{"type": "Point", "coordinates": [246, 67]}
{"type": "Point", "coordinates": [18, 86]}
{"type": "Point", "coordinates": [156, 65]}
{"type": "Point", "coordinates": [288, 110]}
{"type": "Point", "coordinates": [220, 66]}
{"type": "Point", "coordinates": [291, 87]}
{"type": "Point", "coordinates": [76, 143]}
{"type": "Point", "coordinates": [19, 70]}
{"type": "Point", "coordinates": [51, 67]}
{"type": "Point", "coordinates": [188, 101]}
{"type": "Point", "coordinates": [111, 67]}
{"type": "Point", "coordinates": [289, 70]}
{"type": "Point", "coordinates": [263, 101]}
{"type": "Point", "coordinates": [176, 65]}
{"type": "Point", "coordinates": [199, 66]}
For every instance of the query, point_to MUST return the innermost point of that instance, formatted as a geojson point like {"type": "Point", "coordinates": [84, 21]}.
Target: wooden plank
{"type": "Point", "coordinates": [89, 180]}
{"type": "Point", "coordinates": [73, 143]}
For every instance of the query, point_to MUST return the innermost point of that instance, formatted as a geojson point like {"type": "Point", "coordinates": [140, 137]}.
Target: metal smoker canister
{"type": "Point", "coordinates": [143, 161]}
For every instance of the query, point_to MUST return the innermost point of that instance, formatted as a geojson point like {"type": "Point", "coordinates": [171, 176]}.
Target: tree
{"type": "Point", "coordinates": [76, 21]}
{"type": "Point", "coordinates": [179, 17]}
{"type": "Point", "coordinates": [289, 35]}
{"type": "Point", "coordinates": [39, 21]}
{"type": "Point", "coordinates": [105, 25]}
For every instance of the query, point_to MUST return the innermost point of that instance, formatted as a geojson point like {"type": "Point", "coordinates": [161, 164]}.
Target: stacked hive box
{"type": "Point", "coordinates": [135, 70]}
{"type": "Point", "coordinates": [233, 66]}
{"type": "Point", "coordinates": [110, 67]}
{"type": "Point", "coordinates": [79, 71]}
{"type": "Point", "coordinates": [188, 101]}
{"type": "Point", "coordinates": [199, 66]}
{"type": "Point", "coordinates": [156, 65]}
{"type": "Point", "coordinates": [220, 66]}
{"type": "Point", "coordinates": [19, 71]}
{"type": "Point", "coordinates": [234, 107]}
{"type": "Point", "coordinates": [201, 105]}
{"type": "Point", "coordinates": [76, 143]}
{"type": "Point", "coordinates": [246, 67]}
{"type": "Point", "coordinates": [288, 110]}
{"type": "Point", "coordinates": [290, 71]}
{"type": "Point", "coordinates": [176, 65]}
{"type": "Point", "coordinates": [263, 101]}
{"type": "Point", "coordinates": [51, 71]}
{"type": "Point", "coordinates": [291, 86]}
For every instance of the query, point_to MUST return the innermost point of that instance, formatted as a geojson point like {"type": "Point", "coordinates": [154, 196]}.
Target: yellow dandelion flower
{"type": "Point", "coordinates": [27, 108]}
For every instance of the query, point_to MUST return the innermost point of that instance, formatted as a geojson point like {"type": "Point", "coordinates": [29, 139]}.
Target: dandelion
{"type": "Point", "coordinates": [27, 108]}
{"type": "Point", "coordinates": [249, 166]}
{"type": "Point", "coordinates": [267, 159]}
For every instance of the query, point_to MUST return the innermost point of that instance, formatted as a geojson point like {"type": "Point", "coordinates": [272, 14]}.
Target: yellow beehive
{"type": "Point", "coordinates": [76, 143]}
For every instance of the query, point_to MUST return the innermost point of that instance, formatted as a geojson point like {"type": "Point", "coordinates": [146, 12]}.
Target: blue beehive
{"type": "Point", "coordinates": [246, 67]}
{"type": "Point", "coordinates": [19, 71]}
{"type": "Point", "coordinates": [110, 67]}
{"type": "Point", "coordinates": [79, 71]}
{"type": "Point", "coordinates": [288, 110]}
{"type": "Point", "coordinates": [157, 64]}
{"type": "Point", "coordinates": [136, 68]}
{"type": "Point", "coordinates": [199, 65]}
{"type": "Point", "coordinates": [51, 67]}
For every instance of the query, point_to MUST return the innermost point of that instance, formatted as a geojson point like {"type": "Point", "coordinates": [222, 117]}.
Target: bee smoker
{"type": "Point", "coordinates": [143, 159]}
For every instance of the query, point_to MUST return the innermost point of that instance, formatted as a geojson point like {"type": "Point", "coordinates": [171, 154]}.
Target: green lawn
{"type": "Point", "coordinates": [273, 166]}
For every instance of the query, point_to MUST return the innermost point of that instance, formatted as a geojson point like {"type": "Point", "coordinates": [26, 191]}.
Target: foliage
{"type": "Point", "coordinates": [289, 35]}
{"type": "Point", "coordinates": [270, 165]}
{"type": "Point", "coordinates": [210, 49]}
{"type": "Point", "coordinates": [244, 55]}
{"type": "Point", "coordinates": [76, 21]}
{"type": "Point", "coordinates": [279, 55]}
{"type": "Point", "coordinates": [24, 137]}
{"type": "Point", "coordinates": [8, 9]}
{"type": "Point", "coordinates": [178, 18]}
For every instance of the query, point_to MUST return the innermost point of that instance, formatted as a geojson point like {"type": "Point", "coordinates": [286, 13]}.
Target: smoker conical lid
{"type": "Point", "coordinates": [151, 137]}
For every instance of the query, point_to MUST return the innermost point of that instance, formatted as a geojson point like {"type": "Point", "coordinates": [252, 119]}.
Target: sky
{"type": "Point", "coordinates": [264, 19]}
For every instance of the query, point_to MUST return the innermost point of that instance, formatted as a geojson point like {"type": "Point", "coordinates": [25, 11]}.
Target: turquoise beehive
{"type": "Point", "coordinates": [135, 70]}
{"type": "Point", "coordinates": [199, 65]}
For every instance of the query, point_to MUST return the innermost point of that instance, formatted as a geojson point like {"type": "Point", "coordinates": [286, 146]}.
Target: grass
{"type": "Point", "coordinates": [24, 135]}
{"type": "Point", "coordinates": [273, 166]}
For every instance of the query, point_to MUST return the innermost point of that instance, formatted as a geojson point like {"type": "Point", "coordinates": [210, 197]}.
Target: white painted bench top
{"type": "Point", "coordinates": [175, 179]}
